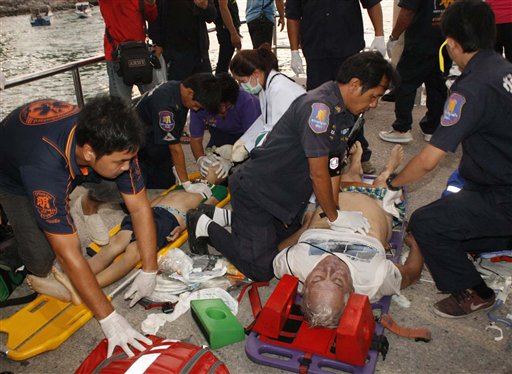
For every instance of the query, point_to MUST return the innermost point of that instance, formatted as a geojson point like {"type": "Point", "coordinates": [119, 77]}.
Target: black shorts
{"type": "Point", "coordinates": [164, 220]}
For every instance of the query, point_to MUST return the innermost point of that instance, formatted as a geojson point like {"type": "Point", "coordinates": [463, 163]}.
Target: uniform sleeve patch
{"type": "Point", "coordinates": [166, 120]}
{"type": "Point", "coordinates": [45, 204]}
{"type": "Point", "coordinates": [319, 118]}
{"type": "Point", "coordinates": [453, 109]}
{"type": "Point", "coordinates": [334, 162]}
{"type": "Point", "coordinates": [46, 111]}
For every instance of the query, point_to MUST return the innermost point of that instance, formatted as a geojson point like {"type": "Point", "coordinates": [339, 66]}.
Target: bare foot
{"type": "Point", "coordinates": [395, 158]}
{"type": "Point", "coordinates": [356, 151]}
{"type": "Point", "coordinates": [49, 286]}
{"type": "Point", "coordinates": [64, 281]}
{"type": "Point", "coordinates": [355, 171]}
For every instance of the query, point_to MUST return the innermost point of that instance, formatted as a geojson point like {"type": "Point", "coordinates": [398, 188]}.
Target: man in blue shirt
{"type": "Point", "coordinates": [47, 148]}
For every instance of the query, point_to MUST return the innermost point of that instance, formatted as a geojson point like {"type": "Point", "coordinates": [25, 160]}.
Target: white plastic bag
{"type": "Point", "coordinates": [176, 261]}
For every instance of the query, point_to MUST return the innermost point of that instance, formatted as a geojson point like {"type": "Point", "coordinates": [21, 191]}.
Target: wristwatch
{"type": "Point", "coordinates": [389, 182]}
{"type": "Point", "coordinates": [392, 38]}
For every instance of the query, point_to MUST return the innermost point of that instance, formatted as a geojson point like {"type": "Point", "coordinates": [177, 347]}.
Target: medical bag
{"type": "Point", "coordinates": [164, 356]}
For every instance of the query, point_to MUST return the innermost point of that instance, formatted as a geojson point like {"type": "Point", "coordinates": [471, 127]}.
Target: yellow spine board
{"type": "Point", "coordinates": [46, 323]}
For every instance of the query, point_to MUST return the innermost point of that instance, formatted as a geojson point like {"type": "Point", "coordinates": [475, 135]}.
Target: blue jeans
{"type": "Point", "coordinates": [117, 87]}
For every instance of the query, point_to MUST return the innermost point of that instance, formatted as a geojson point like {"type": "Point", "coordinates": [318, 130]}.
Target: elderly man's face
{"type": "Point", "coordinates": [358, 102]}
{"type": "Point", "coordinates": [328, 283]}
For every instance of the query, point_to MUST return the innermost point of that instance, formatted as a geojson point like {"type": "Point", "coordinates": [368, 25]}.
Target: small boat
{"type": "Point", "coordinates": [41, 16]}
{"type": "Point", "coordinates": [83, 9]}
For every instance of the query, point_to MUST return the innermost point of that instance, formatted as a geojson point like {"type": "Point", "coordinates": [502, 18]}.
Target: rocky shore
{"type": "Point", "coordinates": [16, 7]}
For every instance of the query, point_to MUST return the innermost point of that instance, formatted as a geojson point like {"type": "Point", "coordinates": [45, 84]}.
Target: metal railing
{"type": "Point", "coordinates": [76, 65]}
{"type": "Point", "coordinates": [72, 66]}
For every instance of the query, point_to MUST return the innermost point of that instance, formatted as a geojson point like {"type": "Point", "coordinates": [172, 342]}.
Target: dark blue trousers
{"type": "Point", "coordinates": [255, 233]}
{"type": "Point", "coordinates": [416, 69]}
{"type": "Point", "coordinates": [467, 221]}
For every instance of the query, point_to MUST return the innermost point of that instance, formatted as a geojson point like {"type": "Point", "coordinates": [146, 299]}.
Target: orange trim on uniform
{"type": "Point", "coordinates": [74, 233]}
{"type": "Point", "coordinates": [68, 210]}
{"type": "Point", "coordinates": [53, 145]}
{"type": "Point", "coordinates": [68, 151]}
{"type": "Point", "coordinates": [134, 190]}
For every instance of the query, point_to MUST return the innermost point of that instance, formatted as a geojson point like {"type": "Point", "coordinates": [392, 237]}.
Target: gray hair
{"type": "Point", "coordinates": [321, 314]}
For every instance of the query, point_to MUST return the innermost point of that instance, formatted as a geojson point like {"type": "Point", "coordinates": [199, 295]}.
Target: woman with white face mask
{"type": "Point", "coordinates": [257, 72]}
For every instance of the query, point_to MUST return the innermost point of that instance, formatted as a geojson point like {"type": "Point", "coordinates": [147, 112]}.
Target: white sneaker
{"type": "Point", "coordinates": [394, 136]}
{"type": "Point", "coordinates": [96, 228]}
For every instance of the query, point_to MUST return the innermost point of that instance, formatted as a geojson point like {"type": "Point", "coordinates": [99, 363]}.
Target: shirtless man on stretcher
{"type": "Point", "coordinates": [169, 212]}
{"type": "Point", "coordinates": [332, 264]}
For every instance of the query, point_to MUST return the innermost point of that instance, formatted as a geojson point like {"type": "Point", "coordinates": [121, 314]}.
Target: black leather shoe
{"type": "Point", "coordinates": [389, 97]}
{"type": "Point", "coordinates": [197, 245]}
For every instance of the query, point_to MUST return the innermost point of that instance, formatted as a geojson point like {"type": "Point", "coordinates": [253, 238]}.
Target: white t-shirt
{"type": "Point", "coordinates": [279, 93]}
{"type": "Point", "coordinates": [372, 274]}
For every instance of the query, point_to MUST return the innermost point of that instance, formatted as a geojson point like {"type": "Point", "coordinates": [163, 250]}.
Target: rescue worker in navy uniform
{"type": "Point", "coordinates": [329, 31]}
{"type": "Point", "coordinates": [47, 148]}
{"type": "Point", "coordinates": [164, 111]}
{"type": "Point", "coordinates": [270, 191]}
{"type": "Point", "coordinates": [478, 115]}
{"type": "Point", "coordinates": [418, 64]}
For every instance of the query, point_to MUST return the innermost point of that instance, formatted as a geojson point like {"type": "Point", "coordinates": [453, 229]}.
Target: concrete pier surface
{"type": "Point", "coordinates": [457, 346]}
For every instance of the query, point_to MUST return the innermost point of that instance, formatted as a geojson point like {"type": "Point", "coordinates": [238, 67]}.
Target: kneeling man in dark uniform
{"type": "Point", "coordinates": [478, 115]}
{"type": "Point", "coordinates": [304, 149]}
{"type": "Point", "coordinates": [47, 148]}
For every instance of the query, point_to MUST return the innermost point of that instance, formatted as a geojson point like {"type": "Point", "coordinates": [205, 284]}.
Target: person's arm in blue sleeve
{"type": "Point", "coordinates": [197, 132]}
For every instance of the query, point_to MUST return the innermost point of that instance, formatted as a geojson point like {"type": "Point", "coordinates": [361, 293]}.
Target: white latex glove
{"type": "Point", "coordinates": [200, 188]}
{"type": "Point", "coordinates": [118, 332]}
{"type": "Point", "coordinates": [223, 168]}
{"type": "Point", "coordinates": [224, 151]}
{"type": "Point", "coordinates": [296, 63]}
{"type": "Point", "coordinates": [380, 45]}
{"type": "Point", "coordinates": [353, 221]}
{"type": "Point", "coordinates": [240, 152]}
{"type": "Point", "coordinates": [143, 285]}
{"type": "Point", "coordinates": [203, 163]}
{"type": "Point", "coordinates": [390, 46]}
{"type": "Point", "coordinates": [390, 200]}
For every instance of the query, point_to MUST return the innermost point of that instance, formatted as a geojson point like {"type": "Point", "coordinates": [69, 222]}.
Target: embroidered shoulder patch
{"type": "Point", "coordinates": [46, 111]}
{"type": "Point", "coordinates": [166, 120]}
{"type": "Point", "coordinates": [45, 204]}
{"type": "Point", "coordinates": [319, 118]}
{"type": "Point", "coordinates": [453, 109]}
